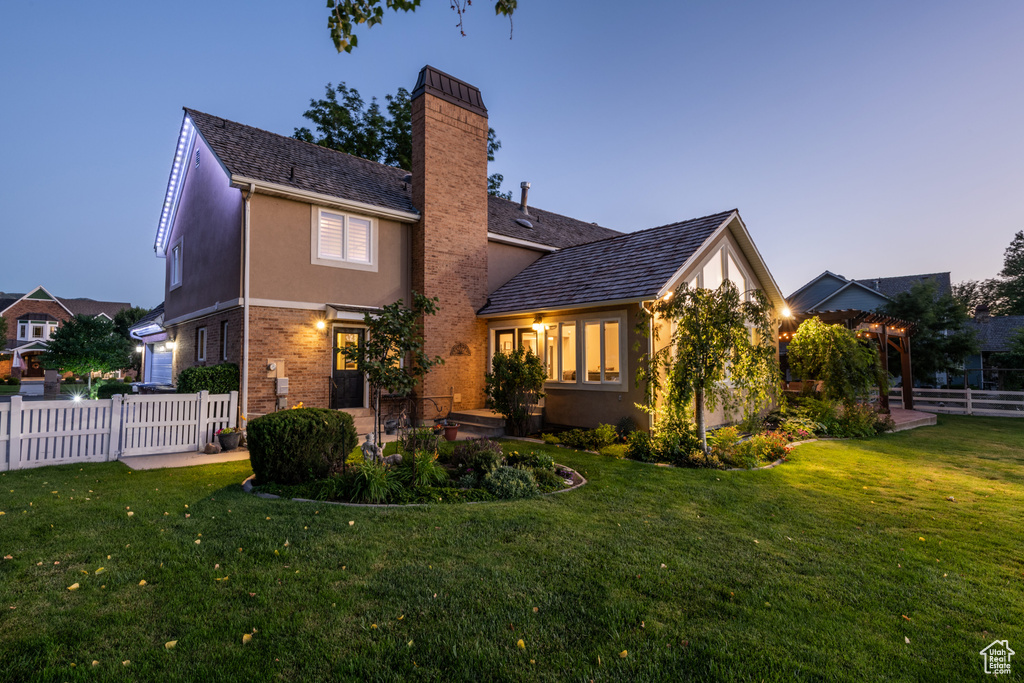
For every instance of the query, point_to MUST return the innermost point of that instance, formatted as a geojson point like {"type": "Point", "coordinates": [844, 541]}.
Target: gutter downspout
{"type": "Point", "coordinates": [245, 306]}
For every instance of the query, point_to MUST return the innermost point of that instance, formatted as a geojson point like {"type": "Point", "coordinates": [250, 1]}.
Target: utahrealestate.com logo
{"type": "Point", "coordinates": [997, 657]}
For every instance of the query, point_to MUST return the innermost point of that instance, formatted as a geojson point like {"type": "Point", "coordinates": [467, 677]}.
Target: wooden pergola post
{"type": "Point", "coordinates": [883, 356]}
{"type": "Point", "coordinates": [908, 378]}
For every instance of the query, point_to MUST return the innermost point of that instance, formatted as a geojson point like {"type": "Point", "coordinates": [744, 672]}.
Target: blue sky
{"type": "Point", "coordinates": [870, 138]}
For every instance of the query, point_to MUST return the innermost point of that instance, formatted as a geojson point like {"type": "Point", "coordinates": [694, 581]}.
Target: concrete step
{"type": "Point", "coordinates": [483, 417]}
{"type": "Point", "coordinates": [359, 412]}
{"type": "Point", "coordinates": [470, 430]}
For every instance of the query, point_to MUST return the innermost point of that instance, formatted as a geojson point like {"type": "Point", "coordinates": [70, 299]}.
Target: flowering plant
{"type": "Point", "coordinates": [225, 430]}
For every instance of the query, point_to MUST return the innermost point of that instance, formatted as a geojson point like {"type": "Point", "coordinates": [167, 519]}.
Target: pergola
{"type": "Point", "coordinates": [888, 330]}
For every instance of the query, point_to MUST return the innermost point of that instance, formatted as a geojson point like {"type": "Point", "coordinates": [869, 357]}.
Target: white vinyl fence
{"type": "Point", "coordinates": [37, 433]}
{"type": "Point", "coordinates": [965, 401]}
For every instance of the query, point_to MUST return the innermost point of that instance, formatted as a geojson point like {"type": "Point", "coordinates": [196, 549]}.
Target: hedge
{"type": "Point", "coordinates": [217, 379]}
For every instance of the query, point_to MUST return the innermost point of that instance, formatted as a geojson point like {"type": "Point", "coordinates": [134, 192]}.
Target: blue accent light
{"type": "Point", "coordinates": [174, 185]}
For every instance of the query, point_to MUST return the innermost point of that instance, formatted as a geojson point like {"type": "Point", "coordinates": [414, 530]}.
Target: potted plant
{"type": "Point", "coordinates": [228, 438]}
{"type": "Point", "coordinates": [451, 430]}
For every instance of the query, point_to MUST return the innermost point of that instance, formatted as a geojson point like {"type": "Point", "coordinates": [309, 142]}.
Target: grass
{"type": "Point", "coordinates": [820, 569]}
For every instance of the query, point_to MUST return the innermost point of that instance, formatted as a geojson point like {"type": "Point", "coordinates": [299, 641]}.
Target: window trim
{"type": "Point", "coordinates": [314, 240]}
{"type": "Point", "coordinates": [601, 322]}
{"type": "Point", "coordinates": [23, 330]}
{"type": "Point", "coordinates": [201, 344]}
{"type": "Point", "coordinates": [177, 269]}
{"type": "Point", "coordinates": [223, 340]}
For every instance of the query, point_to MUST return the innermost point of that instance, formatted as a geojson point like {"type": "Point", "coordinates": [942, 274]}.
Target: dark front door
{"type": "Point", "coordinates": [31, 365]}
{"type": "Point", "coordinates": [346, 379]}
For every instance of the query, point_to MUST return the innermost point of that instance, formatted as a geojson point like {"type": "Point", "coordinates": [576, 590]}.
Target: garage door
{"type": "Point", "coordinates": [159, 370]}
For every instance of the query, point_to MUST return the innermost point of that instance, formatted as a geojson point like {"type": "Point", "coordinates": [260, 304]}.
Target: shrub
{"type": "Point", "coordinates": [698, 458]}
{"type": "Point", "coordinates": [547, 480]}
{"type": "Point", "coordinates": [468, 481]}
{"type": "Point", "coordinates": [641, 447]}
{"type": "Point", "coordinates": [616, 450]}
{"type": "Point", "coordinates": [856, 420]}
{"type": "Point", "coordinates": [217, 379]}
{"type": "Point", "coordinates": [421, 469]}
{"type": "Point", "coordinates": [531, 459]}
{"type": "Point", "coordinates": [373, 483]}
{"type": "Point", "coordinates": [106, 388]}
{"type": "Point", "coordinates": [507, 483]}
{"type": "Point", "coordinates": [604, 435]}
{"type": "Point", "coordinates": [14, 381]}
{"type": "Point", "coordinates": [723, 443]}
{"type": "Point", "coordinates": [625, 426]}
{"type": "Point", "coordinates": [884, 423]}
{"type": "Point", "coordinates": [483, 456]}
{"type": "Point", "coordinates": [420, 440]}
{"type": "Point", "coordinates": [577, 438]}
{"type": "Point", "coordinates": [550, 439]}
{"type": "Point", "coordinates": [295, 446]}
{"type": "Point", "coordinates": [513, 386]}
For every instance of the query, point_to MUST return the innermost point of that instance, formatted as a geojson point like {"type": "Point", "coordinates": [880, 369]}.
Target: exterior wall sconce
{"type": "Point", "coordinates": [139, 348]}
{"type": "Point", "coordinates": [786, 313]}
{"type": "Point", "coordinates": [320, 324]}
{"type": "Point", "coordinates": [171, 345]}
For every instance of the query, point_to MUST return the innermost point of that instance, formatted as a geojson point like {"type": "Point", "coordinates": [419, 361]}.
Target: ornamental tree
{"type": "Point", "coordinates": [720, 349]}
{"type": "Point", "coordinates": [392, 334]}
{"type": "Point", "coordinates": [832, 354]}
{"type": "Point", "coordinates": [86, 344]}
{"type": "Point", "coordinates": [514, 385]}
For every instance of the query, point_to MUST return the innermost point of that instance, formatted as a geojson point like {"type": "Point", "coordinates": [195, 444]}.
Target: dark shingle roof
{"type": "Point", "coordinates": [7, 299]}
{"type": "Point", "coordinates": [548, 228]}
{"type": "Point", "coordinates": [262, 155]}
{"type": "Point", "coordinates": [91, 307]}
{"type": "Point", "coordinates": [996, 333]}
{"type": "Point", "coordinates": [891, 286]}
{"type": "Point", "coordinates": [151, 316]}
{"type": "Point", "coordinates": [36, 316]}
{"type": "Point", "coordinates": [631, 266]}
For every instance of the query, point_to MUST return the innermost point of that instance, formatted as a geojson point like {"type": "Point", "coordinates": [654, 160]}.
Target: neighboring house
{"type": "Point", "coordinates": [32, 319]}
{"type": "Point", "coordinates": [275, 248]}
{"type": "Point", "coordinates": [831, 292]}
{"type": "Point", "coordinates": [994, 335]}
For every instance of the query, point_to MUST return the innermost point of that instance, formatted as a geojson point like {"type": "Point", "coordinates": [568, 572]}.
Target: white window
{"type": "Point", "coordinates": [176, 264]}
{"type": "Point", "coordinates": [224, 340]}
{"type": "Point", "coordinates": [567, 355]}
{"type": "Point", "coordinates": [201, 344]}
{"type": "Point", "coordinates": [736, 275]}
{"type": "Point", "coordinates": [713, 272]}
{"type": "Point", "coordinates": [22, 330]}
{"type": "Point", "coordinates": [37, 330]}
{"type": "Point", "coordinates": [50, 329]}
{"type": "Point", "coordinates": [343, 239]}
{"type": "Point", "coordinates": [601, 351]}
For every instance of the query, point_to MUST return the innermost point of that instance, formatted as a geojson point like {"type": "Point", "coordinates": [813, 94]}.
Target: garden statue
{"type": "Point", "coordinates": [371, 451]}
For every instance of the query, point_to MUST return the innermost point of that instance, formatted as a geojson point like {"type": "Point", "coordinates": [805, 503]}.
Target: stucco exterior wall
{"type": "Point", "coordinates": [209, 225]}
{"type": "Point", "coordinates": [505, 261]}
{"type": "Point", "coordinates": [281, 268]}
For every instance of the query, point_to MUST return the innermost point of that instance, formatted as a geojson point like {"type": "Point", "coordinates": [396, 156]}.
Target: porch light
{"type": "Point", "coordinates": [538, 327]}
{"type": "Point", "coordinates": [320, 324]}
{"type": "Point", "coordinates": [786, 313]}
{"type": "Point", "coordinates": [170, 345]}
{"type": "Point", "coordinates": [139, 348]}
{"type": "Point", "coordinates": [668, 295]}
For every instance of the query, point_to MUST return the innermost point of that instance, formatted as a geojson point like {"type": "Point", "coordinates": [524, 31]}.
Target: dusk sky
{"type": "Point", "coordinates": [869, 139]}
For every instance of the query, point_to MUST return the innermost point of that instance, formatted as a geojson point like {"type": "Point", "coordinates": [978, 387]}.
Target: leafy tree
{"type": "Point", "coordinates": [344, 122]}
{"type": "Point", "coordinates": [513, 386]}
{"type": "Point", "coordinates": [393, 334]}
{"type": "Point", "coordinates": [1011, 359]}
{"type": "Point", "coordinates": [973, 293]}
{"type": "Point", "coordinates": [832, 354]}
{"type": "Point", "coordinates": [86, 344]}
{"type": "Point", "coordinates": [123, 322]}
{"type": "Point", "coordinates": [347, 14]}
{"type": "Point", "coordinates": [717, 338]}
{"type": "Point", "coordinates": [942, 339]}
{"type": "Point", "coordinates": [1011, 286]}
{"type": "Point", "coordinates": [3, 331]}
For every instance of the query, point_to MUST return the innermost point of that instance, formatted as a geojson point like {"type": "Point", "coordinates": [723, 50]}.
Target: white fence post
{"type": "Point", "coordinates": [233, 410]}
{"type": "Point", "coordinates": [14, 443]}
{"type": "Point", "coordinates": [114, 444]}
{"type": "Point", "coordinates": [204, 407]}
{"type": "Point", "coordinates": [968, 394]}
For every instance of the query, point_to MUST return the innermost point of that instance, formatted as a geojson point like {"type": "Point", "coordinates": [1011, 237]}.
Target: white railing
{"type": "Point", "coordinates": [965, 401]}
{"type": "Point", "coordinates": [37, 433]}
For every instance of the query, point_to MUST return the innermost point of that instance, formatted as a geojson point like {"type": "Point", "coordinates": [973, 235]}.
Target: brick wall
{"type": "Point", "coordinates": [32, 306]}
{"type": "Point", "coordinates": [288, 335]}
{"type": "Point", "coordinates": [184, 335]}
{"type": "Point", "coordinates": [449, 251]}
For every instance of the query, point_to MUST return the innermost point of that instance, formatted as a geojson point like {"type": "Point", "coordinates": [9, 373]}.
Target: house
{"type": "Point", "coordinates": [995, 334]}
{"type": "Point", "coordinates": [32, 318]}
{"type": "Point", "coordinates": [274, 249]}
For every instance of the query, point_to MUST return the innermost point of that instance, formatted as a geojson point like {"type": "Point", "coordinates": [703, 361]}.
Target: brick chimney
{"type": "Point", "coordinates": [449, 246]}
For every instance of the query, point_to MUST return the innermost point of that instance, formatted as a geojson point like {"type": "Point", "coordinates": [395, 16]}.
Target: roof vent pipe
{"type": "Point", "coordinates": [522, 202]}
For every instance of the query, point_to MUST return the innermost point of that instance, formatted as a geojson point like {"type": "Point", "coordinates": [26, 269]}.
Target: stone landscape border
{"type": "Point", "coordinates": [248, 484]}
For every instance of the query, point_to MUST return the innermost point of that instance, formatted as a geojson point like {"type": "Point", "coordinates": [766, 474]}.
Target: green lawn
{"type": "Point", "coordinates": [819, 569]}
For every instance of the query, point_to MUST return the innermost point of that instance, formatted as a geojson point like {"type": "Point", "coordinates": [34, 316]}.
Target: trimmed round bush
{"type": "Point", "coordinates": [299, 445]}
{"type": "Point", "coordinates": [511, 482]}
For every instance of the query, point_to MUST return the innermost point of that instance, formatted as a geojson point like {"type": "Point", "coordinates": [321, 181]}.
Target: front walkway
{"type": "Point", "coordinates": [190, 459]}
{"type": "Point", "coordinates": [909, 419]}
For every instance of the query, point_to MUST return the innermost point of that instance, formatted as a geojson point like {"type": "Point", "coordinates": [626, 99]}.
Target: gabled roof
{"type": "Point", "coordinates": [548, 228]}
{"type": "Point", "coordinates": [40, 293]}
{"type": "Point", "coordinates": [262, 155]}
{"type": "Point", "coordinates": [996, 332]}
{"type": "Point", "coordinates": [891, 286]}
{"type": "Point", "coordinates": [631, 267]}
{"type": "Point", "coordinates": [251, 153]}
{"type": "Point", "coordinates": [92, 307]}
{"type": "Point", "coordinates": [823, 305]}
